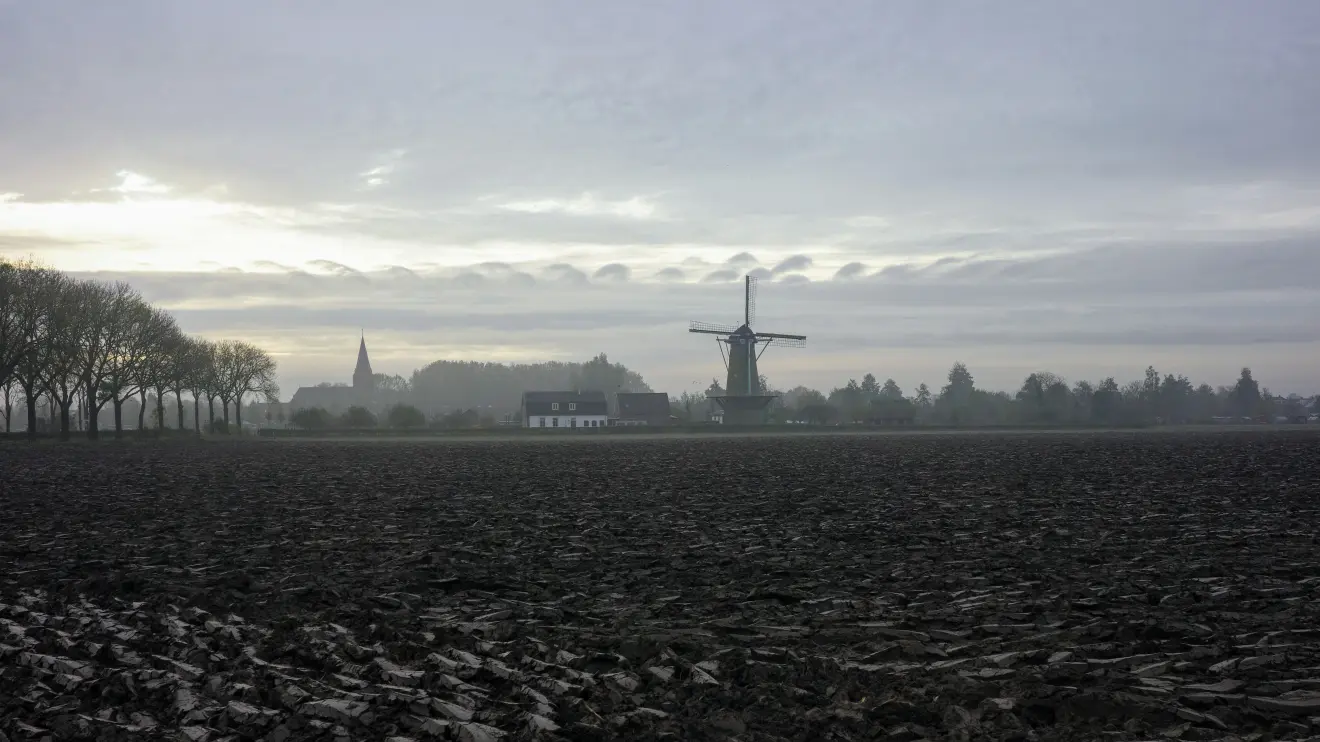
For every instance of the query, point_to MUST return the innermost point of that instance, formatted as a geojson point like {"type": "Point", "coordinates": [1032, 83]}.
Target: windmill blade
{"type": "Point", "coordinates": [784, 341]}
{"type": "Point", "coordinates": [780, 336]}
{"type": "Point", "coordinates": [710, 328]}
{"type": "Point", "coordinates": [750, 309]}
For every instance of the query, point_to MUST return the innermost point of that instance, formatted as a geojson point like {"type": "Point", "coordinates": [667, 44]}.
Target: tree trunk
{"type": "Point", "coordinates": [64, 418]}
{"type": "Point", "coordinates": [210, 405]}
{"type": "Point", "coordinates": [31, 401]}
{"type": "Point", "coordinates": [178, 402]}
{"type": "Point", "coordinates": [197, 413]}
{"type": "Point", "coordinates": [142, 412]}
{"type": "Point", "coordinates": [93, 410]}
{"type": "Point", "coordinates": [160, 411]}
{"type": "Point", "coordinates": [225, 406]}
{"type": "Point", "coordinates": [238, 415]}
{"type": "Point", "coordinates": [119, 417]}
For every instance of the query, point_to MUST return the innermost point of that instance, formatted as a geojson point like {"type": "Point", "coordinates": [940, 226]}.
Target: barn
{"type": "Point", "coordinates": [575, 409]}
{"type": "Point", "coordinates": [642, 408]}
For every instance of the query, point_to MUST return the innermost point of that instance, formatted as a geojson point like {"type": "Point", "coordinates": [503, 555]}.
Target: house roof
{"type": "Point", "coordinates": [643, 404]}
{"type": "Point", "coordinates": [588, 402]}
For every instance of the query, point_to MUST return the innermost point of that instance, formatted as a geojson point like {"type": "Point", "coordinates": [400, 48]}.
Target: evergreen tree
{"type": "Point", "coordinates": [1246, 395]}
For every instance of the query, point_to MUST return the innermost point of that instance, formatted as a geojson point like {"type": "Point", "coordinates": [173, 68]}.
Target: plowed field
{"type": "Point", "coordinates": [964, 587]}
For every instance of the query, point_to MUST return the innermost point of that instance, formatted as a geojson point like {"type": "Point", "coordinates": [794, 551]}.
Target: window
{"type": "Point", "coordinates": [543, 422]}
{"type": "Point", "coordinates": [554, 407]}
{"type": "Point", "coordinates": [554, 422]}
{"type": "Point", "coordinates": [572, 406]}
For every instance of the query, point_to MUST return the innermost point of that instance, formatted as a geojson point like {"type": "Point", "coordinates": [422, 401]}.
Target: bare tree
{"type": "Point", "coordinates": [157, 364]}
{"type": "Point", "coordinates": [26, 302]}
{"type": "Point", "coordinates": [212, 378]}
{"type": "Point", "coordinates": [111, 308]}
{"type": "Point", "coordinates": [175, 369]}
{"type": "Point", "coordinates": [21, 313]}
{"type": "Point", "coordinates": [158, 328]}
{"type": "Point", "coordinates": [226, 362]}
{"type": "Point", "coordinates": [123, 378]}
{"type": "Point", "coordinates": [253, 373]}
{"type": "Point", "coordinates": [67, 329]}
{"type": "Point", "coordinates": [16, 333]}
{"type": "Point", "coordinates": [180, 371]}
{"type": "Point", "coordinates": [197, 372]}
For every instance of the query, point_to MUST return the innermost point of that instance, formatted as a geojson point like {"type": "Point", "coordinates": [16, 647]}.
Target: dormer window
{"type": "Point", "coordinates": [572, 406]}
{"type": "Point", "coordinates": [554, 407]}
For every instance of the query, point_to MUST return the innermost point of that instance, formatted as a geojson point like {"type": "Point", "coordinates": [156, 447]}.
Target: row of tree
{"type": "Point", "coordinates": [1043, 398]}
{"type": "Point", "coordinates": [76, 348]}
{"type": "Point", "coordinates": [456, 385]}
{"type": "Point", "coordinates": [445, 387]}
{"type": "Point", "coordinates": [397, 417]}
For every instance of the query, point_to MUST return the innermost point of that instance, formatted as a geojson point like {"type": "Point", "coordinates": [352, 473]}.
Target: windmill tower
{"type": "Point", "coordinates": [744, 401]}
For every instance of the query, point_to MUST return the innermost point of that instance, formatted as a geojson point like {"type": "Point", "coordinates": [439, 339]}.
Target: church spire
{"type": "Point", "coordinates": [362, 377]}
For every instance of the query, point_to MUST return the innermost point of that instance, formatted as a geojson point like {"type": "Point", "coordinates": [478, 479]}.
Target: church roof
{"type": "Point", "coordinates": [363, 363]}
{"type": "Point", "coordinates": [329, 398]}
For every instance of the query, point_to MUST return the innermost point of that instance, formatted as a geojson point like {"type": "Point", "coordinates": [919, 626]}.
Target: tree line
{"type": "Point", "coordinates": [1043, 398]}
{"type": "Point", "coordinates": [456, 385]}
{"type": "Point", "coordinates": [70, 349]}
{"type": "Point", "coordinates": [462, 393]}
{"type": "Point", "coordinates": [400, 416]}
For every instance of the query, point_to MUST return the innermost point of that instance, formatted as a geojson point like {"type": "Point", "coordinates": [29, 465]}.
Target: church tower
{"type": "Point", "coordinates": [363, 381]}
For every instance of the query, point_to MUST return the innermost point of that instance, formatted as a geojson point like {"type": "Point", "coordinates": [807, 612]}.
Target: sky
{"type": "Point", "coordinates": [1086, 188]}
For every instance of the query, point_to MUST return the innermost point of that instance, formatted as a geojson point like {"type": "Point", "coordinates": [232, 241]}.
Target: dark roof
{"type": "Point", "coordinates": [650, 405]}
{"type": "Point", "coordinates": [331, 398]}
{"type": "Point", "coordinates": [363, 363]}
{"type": "Point", "coordinates": [588, 403]}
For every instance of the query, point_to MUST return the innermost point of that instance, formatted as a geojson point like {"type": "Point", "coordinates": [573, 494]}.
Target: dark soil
{"type": "Point", "coordinates": [963, 587]}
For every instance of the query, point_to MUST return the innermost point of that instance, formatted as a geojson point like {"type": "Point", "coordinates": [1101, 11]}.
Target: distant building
{"type": "Point", "coordinates": [564, 410]}
{"type": "Point", "coordinates": [338, 398]}
{"type": "Point", "coordinates": [714, 413]}
{"type": "Point", "coordinates": [643, 408]}
{"type": "Point", "coordinates": [363, 382]}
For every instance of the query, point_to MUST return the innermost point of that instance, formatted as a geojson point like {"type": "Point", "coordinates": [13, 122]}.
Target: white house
{"type": "Point", "coordinates": [566, 410]}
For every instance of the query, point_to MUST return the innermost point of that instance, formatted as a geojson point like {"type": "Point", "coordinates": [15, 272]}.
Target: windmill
{"type": "Point", "coordinates": [744, 401]}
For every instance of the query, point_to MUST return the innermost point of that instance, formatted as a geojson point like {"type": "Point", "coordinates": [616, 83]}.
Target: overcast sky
{"type": "Point", "coordinates": [1083, 187]}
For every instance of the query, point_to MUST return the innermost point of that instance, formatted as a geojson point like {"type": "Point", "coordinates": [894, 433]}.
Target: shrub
{"type": "Point", "coordinates": [405, 416]}
{"type": "Point", "coordinates": [359, 417]}
{"type": "Point", "coordinates": [310, 418]}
